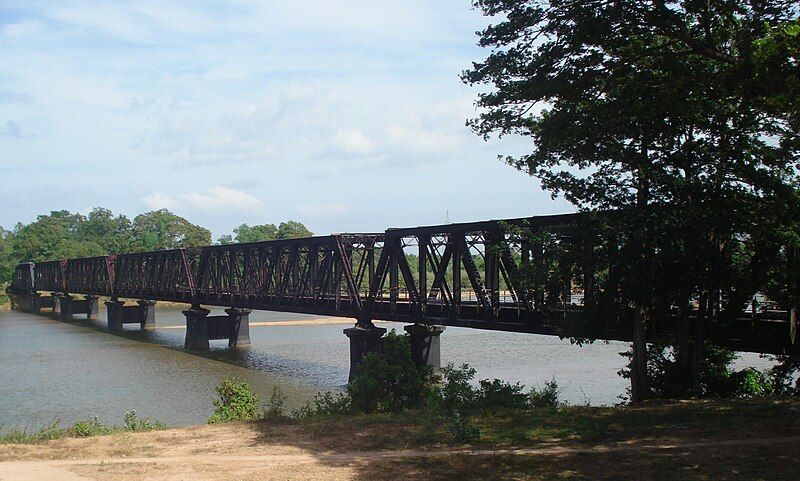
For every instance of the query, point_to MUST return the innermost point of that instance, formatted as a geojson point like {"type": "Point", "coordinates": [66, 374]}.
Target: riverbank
{"type": "Point", "coordinates": [748, 439]}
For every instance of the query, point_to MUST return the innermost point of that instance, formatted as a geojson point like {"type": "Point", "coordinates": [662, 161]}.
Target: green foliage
{"type": "Point", "coordinates": [92, 427]}
{"type": "Point", "coordinates": [460, 428]}
{"type": "Point", "coordinates": [237, 402]}
{"type": "Point", "coordinates": [497, 394]}
{"type": "Point", "coordinates": [26, 435]}
{"type": "Point", "coordinates": [292, 230]}
{"type": "Point", "coordinates": [716, 376]}
{"type": "Point", "coordinates": [81, 429]}
{"type": "Point", "coordinates": [161, 229]}
{"type": "Point", "coordinates": [276, 406]}
{"type": "Point", "coordinates": [680, 116]}
{"type": "Point", "coordinates": [286, 230]}
{"type": "Point", "coordinates": [456, 391]}
{"type": "Point", "coordinates": [546, 396]}
{"type": "Point", "coordinates": [328, 404]}
{"type": "Point", "coordinates": [134, 424]}
{"type": "Point", "coordinates": [389, 381]}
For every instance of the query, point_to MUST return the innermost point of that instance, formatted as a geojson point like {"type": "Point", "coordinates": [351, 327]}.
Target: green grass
{"type": "Point", "coordinates": [81, 429]}
{"type": "Point", "coordinates": [575, 425]}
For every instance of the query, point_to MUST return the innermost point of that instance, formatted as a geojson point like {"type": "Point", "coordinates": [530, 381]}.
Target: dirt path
{"type": "Point", "coordinates": [278, 462]}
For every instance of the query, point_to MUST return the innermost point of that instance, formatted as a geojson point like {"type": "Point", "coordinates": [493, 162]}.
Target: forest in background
{"type": "Point", "coordinates": [63, 235]}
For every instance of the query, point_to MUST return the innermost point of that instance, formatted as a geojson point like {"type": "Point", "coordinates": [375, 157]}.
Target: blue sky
{"type": "Point", "coordinates": [347, 116]}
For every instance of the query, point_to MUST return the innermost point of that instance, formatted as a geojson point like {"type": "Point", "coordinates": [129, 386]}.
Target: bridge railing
{"type": "Point", "coordinates": [90, 275]}
{"type": "Point", "coordinates": [50, 276]}
{"type": "Point", "coordinates": [167, 275]}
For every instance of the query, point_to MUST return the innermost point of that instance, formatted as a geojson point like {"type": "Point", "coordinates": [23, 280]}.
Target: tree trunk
{"type": "Point", "coordinates": [640, 388]}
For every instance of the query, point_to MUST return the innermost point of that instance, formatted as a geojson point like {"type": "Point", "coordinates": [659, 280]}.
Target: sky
{"type": "Point", "coordinates": [348, 116]}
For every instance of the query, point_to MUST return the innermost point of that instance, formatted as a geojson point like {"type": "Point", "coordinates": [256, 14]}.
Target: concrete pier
{"type": "Point", "coordinates": [196, 328]}
{"type": "Point", "coordinates": [143, 313]}
{"type": "Point", "coordinates": [363, 339]}
{"type": "Point", "coordinates": [239, 327]}
{"type": "Point", "coordinates": [56, 304]}
{"type": "Point", "coordinates": [70, 307]}
{"type": "Point", "coordinates": [202, 328]}
{"type": "Point", "coordinates": [425, 345]}
{"type": "Point", "coordinates": [33, 303]}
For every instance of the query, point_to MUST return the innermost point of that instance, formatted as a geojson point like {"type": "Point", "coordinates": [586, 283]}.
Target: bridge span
{"type": "Point", "coordinates": [539, 275]}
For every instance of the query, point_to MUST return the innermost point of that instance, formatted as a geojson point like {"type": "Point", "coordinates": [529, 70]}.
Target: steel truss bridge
{"type": "Point", "coordinates": [474, 275]}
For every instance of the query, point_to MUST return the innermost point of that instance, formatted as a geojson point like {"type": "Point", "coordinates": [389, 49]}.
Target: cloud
{"type": "Point", "coordinates": [352, 141]}
{"type": "Point", "coordinates": [157, 200]}
{"type": "Point", "coordinates": [213, 198]}
{"type": "Point", "coordinates": [218, 197]}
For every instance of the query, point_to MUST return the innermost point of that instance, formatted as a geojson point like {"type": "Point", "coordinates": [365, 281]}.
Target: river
{"type": "Point", "coordinates": [68, 371]}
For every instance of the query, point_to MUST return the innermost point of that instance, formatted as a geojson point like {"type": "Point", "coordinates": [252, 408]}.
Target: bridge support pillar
{"type": "Point", "coordinates": [239, 327]}
{"type": "Point", "coordinates": [147, 314]}
{"type": "Point", "coordinates": [65, 311]}
{"type": "Point", "coordinates": [196, 328]}
{"type": "Point", "coordinates": [92, 307]}
{"type": "Point", "coordinates": [114, 314]}
{"type": "Point", "coordinates": [425, 345]}
{"type": "Point", "coordinates": [56, 304]}
{"type": "Point", "coordinates": [33, 303]}
{"type": "Point", "coordinates": [144, 314]}
{"type": "Point", "coordinates": [363, 339]}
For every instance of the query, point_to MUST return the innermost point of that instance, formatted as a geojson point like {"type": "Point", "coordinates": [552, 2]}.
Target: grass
{"type": "Point", "coordinates": [81, 429]}
{"type": "Point", "coordinates": [573, 425]}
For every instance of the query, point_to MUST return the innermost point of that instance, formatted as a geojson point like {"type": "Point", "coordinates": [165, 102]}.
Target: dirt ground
{"type": "Point", "coordinates": [252, 451]}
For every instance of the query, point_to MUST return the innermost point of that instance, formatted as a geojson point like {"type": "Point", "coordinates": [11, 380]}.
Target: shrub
{"type": "Point", "coordinates": [716, 378]}
{"type": "Point", "coordinates": [236, 402]}
{"type": "Point", "coordinates": [456, 392]}
{"type": "Point", "coordinates": [275, 407]}
{"type": "Point", "coordinates": [460, 428]}
{"type": "Point", "coordinates": [133, 424]}
{"type": "Point", "coordinates": [329, 404]}
{"type": "Point", "coordinates": [499, 394]}
{"type": "Point", "coordinates": [389, 381]}
{"type": "Point", "coordinates": [545, 397]}
{"type": "Point", "coordinates": [92, 427]}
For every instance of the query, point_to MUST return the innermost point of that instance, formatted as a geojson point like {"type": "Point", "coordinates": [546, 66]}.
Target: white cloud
{"type": "Point", "coordinates": [218, 197]}
{"type": "Point", "coordinates": [158, 200]}
{"type": "Point", "coordinates": [213, 198]}
{"type": "Point", "coordinates": [352, 141]}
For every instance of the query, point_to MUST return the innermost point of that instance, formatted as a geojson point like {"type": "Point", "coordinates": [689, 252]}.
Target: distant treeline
{"type": "Point", "coordinates": [62, 235]}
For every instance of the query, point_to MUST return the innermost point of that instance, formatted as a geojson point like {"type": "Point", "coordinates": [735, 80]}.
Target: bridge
{"type": "Point", "coordinates": [540, 275]}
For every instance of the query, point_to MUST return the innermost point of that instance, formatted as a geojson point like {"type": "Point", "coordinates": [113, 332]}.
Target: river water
{"type": "Point", "coordinates": [68, 371]}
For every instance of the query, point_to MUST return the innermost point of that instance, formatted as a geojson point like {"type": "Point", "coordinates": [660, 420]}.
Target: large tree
{"type": "Point", "coordinates": [657, 108]}
{"type": "Point", "coordinates": [161, 229]}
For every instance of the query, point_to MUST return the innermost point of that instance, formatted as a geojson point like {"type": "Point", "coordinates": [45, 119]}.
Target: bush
{"type": "Point", "coordinates": [716, 378]}
{"type": "Point", "coordinates": [456, 392]}
{"type": "Point", "coordinates": [545, 397]}
{"type": "Point", "coordinates": [92, 427]}
{"type": "Point", "coordinates": [330, 404]}
{"type": "Point", "coordinates": [133, 424]}
{"type": "Point", "coordinates": [237, 402]}
{"type": "Point", "coordinates": [275, 407]}
{"type": "Point", "coordinates": [499, 394]}
{"type": "Point", "coordinates": [460, 428]}
{"type": "Point", "coordinates": [389, 381]}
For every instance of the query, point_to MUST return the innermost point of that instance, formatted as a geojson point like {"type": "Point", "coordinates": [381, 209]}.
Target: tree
{"type": "Point", "coordinates": [654, 108]}
{"type": "Point", "coordinates": [51, 237]}
{"type": "Point", "coordinates": [292, 230]}
{"type": "Point", "coordinates": [7, 261]}
{"type": "Point", "coordinates": [161, 229]}
{"type": "Point", "coordinates": [264, 232]}
{"type": "Point", "coordinates": [113, 234]}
